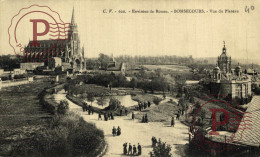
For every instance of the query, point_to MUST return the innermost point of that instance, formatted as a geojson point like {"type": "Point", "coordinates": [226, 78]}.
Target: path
{"type": "Point", "coordinates": [132, 131]}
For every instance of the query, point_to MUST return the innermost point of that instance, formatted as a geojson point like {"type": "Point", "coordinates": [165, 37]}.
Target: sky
{"type": "Point", "coordinates": [199, 35]}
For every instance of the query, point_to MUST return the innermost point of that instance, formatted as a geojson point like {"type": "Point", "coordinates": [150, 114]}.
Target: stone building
{"type": "Point", "coordinates": [68, 50]}
{"type": "Point", "coordinates": [116, 68]}
{"type": "Point", "coordinates": [229, 82]}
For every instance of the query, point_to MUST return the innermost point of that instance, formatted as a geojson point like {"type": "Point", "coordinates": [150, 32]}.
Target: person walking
{"type": "Point", "coordinates": [146, 118]}
{"type": "Point", "coordinates": [134, 150]}
{"type": "Point", "coordinates": [109, 116]}
{"type": "Point", "coordinates": [154, 141]}
{"type": "Point", "coordinates": [139, 149]}
{"type": "Point", "coordinates": [114, 131]}
{"type": "Point", "coordinates": [118, 131]}
{"type": "Point", "coordinates": [112, 116]}
{"type": "Point", "coordinates": [130, 149]}
{"type": "Point", "coordinates": [125, 148]}
{"type": "Point", "coordinates": [83, 107]}
{"type": "Point", "coordinates": [149, 104]}
{"type": "Point", "coordinates": [121, 111]}
{"type": "Point", "coordinates": [126, 112]}
{"type": "Point", "coordinates": [172, 122]}
{"type": "Point", "coordinates": [89, 111]}
{"type": "Point", "coordinates": [99, 116]}
{"type": "Point", "coordinates": [133, 116]}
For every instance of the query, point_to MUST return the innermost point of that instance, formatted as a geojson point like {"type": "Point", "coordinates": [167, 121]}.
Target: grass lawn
{"type": "Point", "coordinates": [28, 130]}
{"type": "Point", "coordinates": [159, 113]}
{"type": "Point", "coordinates": [20, 113]}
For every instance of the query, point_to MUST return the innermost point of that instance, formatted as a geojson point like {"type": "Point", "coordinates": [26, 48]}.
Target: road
{"type": "Point", "coordinates": [133, 131]}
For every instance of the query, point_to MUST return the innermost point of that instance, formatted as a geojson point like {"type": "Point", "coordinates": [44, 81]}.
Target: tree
{"type": "Point", "coordinates": [101, 100]}
{"type": "Point", "coordinates": [104, 60]}
{"type": "Point", "coordinates": [133, 83]}
{"type": "Point", "coordinates": [90, 97]}
{"type": "Point", "coordinates": [179, 83]}
{"type": "Point", "coordinates": [114, 103]}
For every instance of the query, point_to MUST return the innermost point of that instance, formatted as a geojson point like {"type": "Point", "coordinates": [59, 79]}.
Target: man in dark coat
{"type": "Point", "coordinates": [99, 116]}
{"type": "Point", "coordinates": [134, 150]}
{"type": "Point", "coordinates": [139, 149]}
{"type": "Point", "coordinates": [172, 122]}
{"type": "Point", "coordinates": [112, 116]}
{"type": "Point", "coordinates": [89, 111]}
{"type": "Point", "coordinates": [143, 120]}
{"type": "Point", "coordinates": [149, 104]}
{"type": "Point", "coordinates": [126, 112]}
{"type": "Point", "coordinates": [114, 131]}
{"type": "Point", "coordinates": [130, 149]}
{"type": "Point", "coordinates": [146, 118]}
{"type": "Point", "coordinates": [133, 116]}
{"type": "Point", "coordinates": [118, 131]}
{"type": "Point", "coordinates": [125, 148]}
{"type": "Point", "coordinates": [121, 111]}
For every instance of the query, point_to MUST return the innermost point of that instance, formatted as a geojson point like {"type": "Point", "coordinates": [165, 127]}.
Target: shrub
{"type": "Point", "coordinates": [157, 100]}
{"type": "Point", "coordinates": [63, 107]}
{"type": "Point", "coordinates": [114, 103]}
{"type": "Point", "coordinates": [161, 149]}
{"type": "Point", "coordinates": [101, 100]}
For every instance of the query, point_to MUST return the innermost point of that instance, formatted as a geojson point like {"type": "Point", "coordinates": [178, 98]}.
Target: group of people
{"type": "Point", "coordinates": [116, 132]}
{"type": "Point", "coordinates": [107, 116]}
{"type": "Point", "coordinates": [154, 141]}
{"type": "Point", "coordinates": [86, 107]}
{"type": "Point", "coordinates": [121, 112]}
{"type": "Point", "coordinates": [143, 105]}
{"type": "Point", "coordinates": [132, 150]}
{"type": "Point", "coordinates": [145, 118]}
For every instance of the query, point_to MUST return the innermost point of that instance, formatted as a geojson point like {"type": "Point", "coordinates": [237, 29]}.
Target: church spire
{"type": "Point", "coordinates": [72, 17]}
{"type": "Point", "coordinates": [83, 52]}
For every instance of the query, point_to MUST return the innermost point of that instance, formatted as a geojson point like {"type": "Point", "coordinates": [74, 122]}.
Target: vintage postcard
{"type": "Point", "coordinates": [117, 78]}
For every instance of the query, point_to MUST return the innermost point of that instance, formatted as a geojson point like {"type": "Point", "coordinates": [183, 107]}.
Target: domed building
{"type": "Point", "coordinates": [229, 82]}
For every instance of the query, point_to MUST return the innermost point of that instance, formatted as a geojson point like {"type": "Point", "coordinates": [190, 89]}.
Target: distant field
{"type": "Point", "coordinates": [184, 71]}
{"type": "Point", "coordinates": [168, 67]}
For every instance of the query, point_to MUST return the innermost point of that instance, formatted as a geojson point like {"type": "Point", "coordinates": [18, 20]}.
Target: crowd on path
{"type": "Point", "coordinates": [86, 107]}
{"type": "Point", "coordinates": [143, 105]}
{"type": "Point", "coordinates": [132, 150]}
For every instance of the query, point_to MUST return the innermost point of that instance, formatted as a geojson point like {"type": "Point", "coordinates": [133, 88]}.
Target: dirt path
{"type": "Point", "coordinates": [133, 131]}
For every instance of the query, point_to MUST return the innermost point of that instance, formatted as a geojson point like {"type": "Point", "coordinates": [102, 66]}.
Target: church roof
{"type": "Point", "coordinates": [48, 43]}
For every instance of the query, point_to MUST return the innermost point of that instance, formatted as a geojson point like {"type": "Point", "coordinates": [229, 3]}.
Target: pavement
{"type": "Point", "coordinates": [134, 132]}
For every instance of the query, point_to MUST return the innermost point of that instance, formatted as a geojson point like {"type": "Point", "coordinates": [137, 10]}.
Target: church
{"type": "Point", "coordinates": [50, 54]}
{"type": "Point", "coordinates": [229, 82]}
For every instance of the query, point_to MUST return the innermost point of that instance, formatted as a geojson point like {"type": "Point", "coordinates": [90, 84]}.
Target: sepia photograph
{"type": "Point", "coordinates": [124, 78]}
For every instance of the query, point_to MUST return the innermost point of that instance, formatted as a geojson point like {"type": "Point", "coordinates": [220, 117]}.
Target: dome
{"type": "Point", "coordinates": [238, 67]}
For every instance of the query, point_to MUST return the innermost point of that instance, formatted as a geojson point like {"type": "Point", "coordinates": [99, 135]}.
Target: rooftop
{"type": "Point", "coordinates": [248, 132]}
